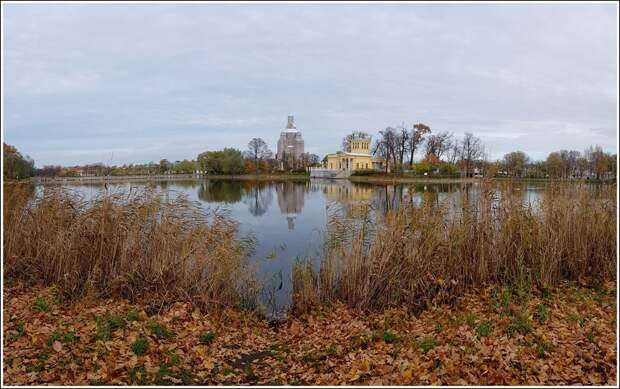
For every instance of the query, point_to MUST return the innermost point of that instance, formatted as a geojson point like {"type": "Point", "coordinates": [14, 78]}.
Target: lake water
{"type": "Point", "coordinates": [288, 218]}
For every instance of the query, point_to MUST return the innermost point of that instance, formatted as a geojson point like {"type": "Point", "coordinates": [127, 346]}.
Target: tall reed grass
{"type": "Point", "coordinates": [137, 244]}
{"type": "Point", "coordinates": [435, 252]}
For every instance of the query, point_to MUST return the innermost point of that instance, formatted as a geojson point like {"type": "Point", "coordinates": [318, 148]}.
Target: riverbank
{"type": "Point", "coordinates": [370, 179]}
{"type": "Point", "coordinates": [171, 177]}
{"type": "Point", "coordinates": [562, 336]}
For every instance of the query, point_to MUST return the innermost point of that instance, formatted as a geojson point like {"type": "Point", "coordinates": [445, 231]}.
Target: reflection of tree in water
{"type": "Point", "coordinates": [220, 191]}
{"type": "Point", "coordinates": [258, 196]}
{"type": "Point", "coordinates": [291, 200]}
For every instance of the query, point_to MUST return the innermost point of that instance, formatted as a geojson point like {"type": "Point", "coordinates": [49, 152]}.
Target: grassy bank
{"type": "Point", "coordinates": [495, 336]}
{"type": "Point", "coordinates": [436, 252]}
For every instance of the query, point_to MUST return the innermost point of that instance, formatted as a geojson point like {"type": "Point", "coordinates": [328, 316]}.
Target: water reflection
{"type": "Point", "coordinates": [259, 198]}
{"type": "Point", "coordinates": [220, 191]}
{"type": "Point", "coordinates": [291, 200]}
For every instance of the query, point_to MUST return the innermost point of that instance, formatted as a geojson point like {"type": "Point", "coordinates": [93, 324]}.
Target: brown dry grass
{"type": "Point", "coordinates": [434, 253]}
{"type": "Point", "coordinates": [131, 245]}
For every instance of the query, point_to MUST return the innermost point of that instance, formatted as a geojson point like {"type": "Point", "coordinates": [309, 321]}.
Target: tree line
{"type": "Point", "coordinates": [257, 158]}
{"type": "Point", "coordinates": [445, 154]}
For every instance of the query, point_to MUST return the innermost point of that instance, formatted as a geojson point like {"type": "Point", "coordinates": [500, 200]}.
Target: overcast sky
{"type": "Point", "coordinates": [137, 83]}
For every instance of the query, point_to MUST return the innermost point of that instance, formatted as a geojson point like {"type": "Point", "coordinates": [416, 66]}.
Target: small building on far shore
{"type": "Point", "coordinates": [342, 163]}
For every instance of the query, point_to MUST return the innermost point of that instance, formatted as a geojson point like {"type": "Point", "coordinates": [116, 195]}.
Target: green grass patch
{"type": "Point", "coordinates": [137, 375]}
{"type": "Point", "coordinates": [542, 313]}
{"type": "Point", "coordinates": [389, 337]}
{"type": "Point", "coordinates": [134, 315]}
{"type": "Point", "coordinates": [56, 335]}
{"type": "Point", "coordinates": [140, 346]}
{"type": "Point", "coordinates": [107, 324]}
{"type": "Point", "coordinates": [520, 324]}
{"type": "Point", "coordinates": [19, 331]}
{"type": "Point", "coordinates": [41, 305]}
{"type": "Point", "coordinates": [159, 330]}
{"type": "Point", "coordinates": [438, 328]}
{"type": "Point", "coordinates": [207, 337]}
{"type": "Point", "coordinates": [425, 344]}
{"type": "Point", "coordinates": [484, 329]}
{"type": "Point", "coordinates": [471, 320]}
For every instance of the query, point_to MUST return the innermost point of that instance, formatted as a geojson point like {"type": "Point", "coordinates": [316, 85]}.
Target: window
{"type": "Point", "coordinates": [366, 166]}
{"type": "Point", "coordinates": [357, 165]}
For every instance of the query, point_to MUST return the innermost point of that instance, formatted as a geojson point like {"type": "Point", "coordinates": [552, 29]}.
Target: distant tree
{"type": "Point", "coordinates": [438, 144]}
{"type": "Point", "coordinates": [416, 138]}
{"type": "Point", "coordinates": [471, 149]}
{"type": "Point", "coordinates": [515, 163]}
{"type": "Point", "coordinates": [258, 150]}
{"type": "Point", "coordinates": [186, 166]}
{"type": "Point", "coordinates": [15, 165]}
{"type": "Point", "coordinates": [227, 161]}
{"type": "Point", "coordinates": [598, 161]}
{"type": "Point", "coordinates": [385, 146]}
{"type": "Point", "coordinates": [346, 141]}
{"type": "Point", "coordinates": [402, 143]}
{"type": "Point", "coordinates": [164, 166]}
{"type": "Point", "coordinates": [49, 171]}
{"type": "Point", "coordinates": [555, 165]}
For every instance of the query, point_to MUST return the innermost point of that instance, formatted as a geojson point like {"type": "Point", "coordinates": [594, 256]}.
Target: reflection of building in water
{"type": "Point", "coordinates": [290, 200]}
{"type": "Point", "coordinates": [354, 198]}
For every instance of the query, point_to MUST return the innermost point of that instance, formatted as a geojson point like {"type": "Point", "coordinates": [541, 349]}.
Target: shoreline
{"type": "Point", "coordinates": [295, 177]}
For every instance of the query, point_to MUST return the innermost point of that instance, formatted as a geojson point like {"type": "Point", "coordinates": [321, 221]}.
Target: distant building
{"type": "Point", "coordinates": [357, 158]}
{"type": "Point", "coordinates": [290, 146]}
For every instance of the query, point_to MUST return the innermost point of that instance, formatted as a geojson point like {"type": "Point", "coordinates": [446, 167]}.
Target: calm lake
{"type": "Point", "coordinates": [288, 219]}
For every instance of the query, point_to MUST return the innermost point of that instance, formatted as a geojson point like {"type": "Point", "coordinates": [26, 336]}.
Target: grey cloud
{"type": "Point", "coordinates": [151, 81]}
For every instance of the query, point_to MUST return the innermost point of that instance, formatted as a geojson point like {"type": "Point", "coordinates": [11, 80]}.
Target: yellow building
{"type": "Point", "coordinates": [358, 158]}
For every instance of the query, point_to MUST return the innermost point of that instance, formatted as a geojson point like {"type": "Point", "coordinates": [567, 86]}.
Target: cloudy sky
{"type": "Point", "coordinates": [137, 83]}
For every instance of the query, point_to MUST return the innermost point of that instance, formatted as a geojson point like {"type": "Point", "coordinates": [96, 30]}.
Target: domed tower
{"type": "Point", "coordinates": [290, 145]}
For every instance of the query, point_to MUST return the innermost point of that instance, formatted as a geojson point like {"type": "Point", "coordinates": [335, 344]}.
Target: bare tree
{"type": "Point", "coordinates": [471, 150]}
{"type": "Point", "coordinates": [385, 146]}
{"type": "Point", "coordinates": [402, 143]}
{"type": "Point", "coordinates": [416, 138]}
{"type": "Point", "coordinates": [258, 151]}
{"type": "Point", "coordinates": [438, 144]}
{"type": "Point", "coordinates": [346, 141]}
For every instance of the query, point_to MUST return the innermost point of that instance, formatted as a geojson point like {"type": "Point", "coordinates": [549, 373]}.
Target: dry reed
{"type": "Point", "coordinates": [135, 245]}
{"type": "Point", "coordinates": [435, 252]}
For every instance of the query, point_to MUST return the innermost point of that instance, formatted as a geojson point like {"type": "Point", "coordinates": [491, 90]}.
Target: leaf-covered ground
{"type": "Point", "coordinates": [565, 336]}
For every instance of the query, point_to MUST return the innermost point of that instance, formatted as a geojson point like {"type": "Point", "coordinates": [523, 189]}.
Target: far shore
{"type": "Point", "coordinates": [371, 179]}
